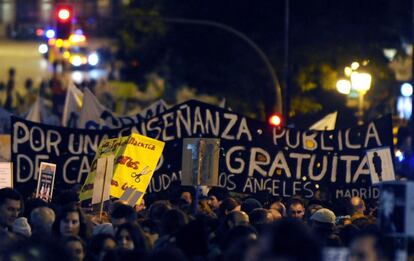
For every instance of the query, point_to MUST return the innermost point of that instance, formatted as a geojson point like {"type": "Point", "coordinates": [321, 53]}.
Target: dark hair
{"type": "Point", "coordinates": [285, 236]}
{"type": "Point", "coordinates": [219, 192]}
{"type": "Point", "coordinates": [259, 216]}
{"type": "Point", "coordinates": [95, 246]}
{"type": "Point", "coordinates": [137, 236]}
{"type": "Point", "coordinates": [227, 205]}
{"type": "Point", "coordinates": [85, 228]}
{"type": "Point", "coordinates": [173, 220]}
{"type": "Point", "coordinates": [74, 239]}
{"type": "Point", "coordinates": [124, 211]}
{"type": "Point", "coordinates": [9, 193]}
{"type": "Point", "coordinates": [295, 201]}
{"type": "Point", "coordinates": [158, 209]}
{"type": "Point", "coordinates": [384, 245]}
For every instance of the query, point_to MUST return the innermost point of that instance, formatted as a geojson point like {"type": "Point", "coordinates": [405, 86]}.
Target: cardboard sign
{"type": "Point", "coordinates": [46, 181]}
{"type": "Point", "coordinates": [104, 172]}
{"type": "Point", "coordinates": [135, 159]}
{"type": "Point", "coordinates": [381, 166]}
{"type": "Point", "coordinates": [6, 174]}
{"type": "Point", "coordinates": [131, 196]}
{"type": "Point", "coordinates": [396, 208]}
{"type": "Point", "coordinates": [200, 162]}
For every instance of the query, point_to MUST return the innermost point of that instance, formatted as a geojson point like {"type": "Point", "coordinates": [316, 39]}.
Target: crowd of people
{"type": "Point", "coordinates": [189, 225]}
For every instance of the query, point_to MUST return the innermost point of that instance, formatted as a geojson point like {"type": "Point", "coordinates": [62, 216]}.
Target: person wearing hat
{"type": "Point", "coordinates": [323, 224]}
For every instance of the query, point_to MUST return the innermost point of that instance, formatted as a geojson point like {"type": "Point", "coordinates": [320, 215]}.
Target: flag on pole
{"type": "Point", "coordinates": [73, 106]}
{"type": "Point", "coordinates": [326, 123]}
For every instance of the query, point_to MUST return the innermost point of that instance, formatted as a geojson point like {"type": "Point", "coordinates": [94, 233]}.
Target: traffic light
{"type": "Point", "coordinates": [64, 15]}
{"type": "Point", "coordinates": [275, 120]}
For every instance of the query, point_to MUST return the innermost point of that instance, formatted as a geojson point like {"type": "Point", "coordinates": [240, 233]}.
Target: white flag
{"type": "Point", "coordinates": [326, 123]}
{"type": "Point", "coordinates": [73, 106]}
{"type": "Point", "coordinates": [35, 111]}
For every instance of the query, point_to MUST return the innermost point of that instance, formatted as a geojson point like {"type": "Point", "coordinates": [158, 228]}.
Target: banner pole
{"type": "Point", "coordinates": [102, 193]}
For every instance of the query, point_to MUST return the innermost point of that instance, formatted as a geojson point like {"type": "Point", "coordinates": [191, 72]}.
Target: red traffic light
{"type": "Point", "coordinates": [275, 120]}
{"type": "Point", "coordinates": [64, 14]}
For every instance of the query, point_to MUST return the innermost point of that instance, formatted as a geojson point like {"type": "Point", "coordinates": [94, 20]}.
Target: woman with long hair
{"type": "Point", "coordinates": [71, 222]}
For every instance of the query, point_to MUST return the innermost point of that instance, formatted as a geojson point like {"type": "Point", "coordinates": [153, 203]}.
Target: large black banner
{"type": "Point", "coordinates": [253, 156]}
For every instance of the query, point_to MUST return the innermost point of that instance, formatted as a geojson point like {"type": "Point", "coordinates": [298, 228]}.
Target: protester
{"type": "Point", "coordinates": [370, 244]}
{"type": "Point", "coordinates": [41, 221]}
{"type": "Point", "coordinates": [131, 237]}
{"type": "Point", "coordinates": [75, 246]}
{"type": "Point", "coordinates": [71, 222]}
{"type": "Point", "coordinates": [296, 209]}
{"type": "Point", "coordinates": [99, 245]}
{"type": "Point", "coordinates": [10, 207]}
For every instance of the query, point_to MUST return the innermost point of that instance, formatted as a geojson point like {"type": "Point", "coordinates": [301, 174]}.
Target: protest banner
{"type": "Point", "coordinates": [253, 156]}
{"type": "Point", "coordinates": [72, 150]}
{"type": "Point", "coordinates": [5, 147]}
{"type": "Point", "coordinates": [46, 181]}
{"type": "Point", "coordinates": [136, 157]}
{"type": "Point", "coordinates": [6, 174]}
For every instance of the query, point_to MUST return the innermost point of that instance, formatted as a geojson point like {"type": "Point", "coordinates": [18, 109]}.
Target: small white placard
{"type": "Point", "coordinates": [6, 175]}
{"type": "Point", "coordinates": [381, 166]}
{"type": "Point", "coordinates": [46, 181]}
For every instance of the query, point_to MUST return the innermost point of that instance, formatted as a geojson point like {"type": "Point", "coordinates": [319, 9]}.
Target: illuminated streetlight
{"type": "Point", "coordinates": [343, 86]}
{"type": "Point", "coordinates": [360, 82]}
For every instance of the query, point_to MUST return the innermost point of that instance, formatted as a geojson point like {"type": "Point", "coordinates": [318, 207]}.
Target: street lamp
{"type": "Point", "coordinates": [360, 82]}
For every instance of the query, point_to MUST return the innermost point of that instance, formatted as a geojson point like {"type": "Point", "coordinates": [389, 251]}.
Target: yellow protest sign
{"type": "Point", "coordinates": [136, 157]}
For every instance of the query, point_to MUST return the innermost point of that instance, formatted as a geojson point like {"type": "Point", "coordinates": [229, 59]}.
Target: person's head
{"type": "Point", "coordinates": [215, 196]}
{"type": "Point", "coordinates": [227, 205]}
{"type": "Point", "coordinates": [75, 246]}
{"type": "Point", "coordinates": [276, 215]}
{"type": "Point", "coordinates": [173, 220]}
{"type": "Point", "coordinates": [41, 220]}
{"type": "Point", "coordinates": [237, 218]}
{"type": "Point", "coordinates": [12, 72]}
{"type": "Point", "coordinates": [250, 204]}
{"type": "Point", "coordinates": [99, 245]}
{"type": "Point", "coordinates": [296, 209]}
{"type": "Point", "coordinates": [358, 205]}
{"type": "Point", "coordinates": [370, 245]}
{"type": "Point", "coordinates": [10, 206]}
{"type": "Point", "coordinates": [279, 206]}
{"type": "Point", "coordinates": [122, 214]}
{"type": "Point", "coordinates": [131, 236]}
{"type": "Point", "coordinates": [260, 216]}
{"type": "Point", "coordinates": [324, 216]}
{"type": "Point", "coordinates": [71, 222]}
{"type": "Point", "coordinates": [187, 197]}
{"type": "Point", "coordinates": [158, 209]}
{"type": "Point", "coordinates": [28, 83]}
{"type": "Point", "coordinates": [289, 239]}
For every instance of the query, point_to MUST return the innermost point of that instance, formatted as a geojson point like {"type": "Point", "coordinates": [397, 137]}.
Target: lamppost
{"type": "Point", "coordinates": [357, 81]}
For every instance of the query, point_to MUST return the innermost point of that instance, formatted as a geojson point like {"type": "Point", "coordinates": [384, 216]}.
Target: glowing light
{"type": "Point", "coordinates": [406, 89]}
{"type": "Point", "coordinates": [361, 81]}
{"type": "Point", "coordinates": [348, 71]}
{"type": "Point", "coordinates": [399, 155]}
{"type": "Point", "coordinates": [275, 120]}
{"type": "Point", "coordinates": [43, 48]}
{"type": "Point", "coordinates": [93, 59]}
{"type": "Point", "coordinates": [59, 43]}
{"type": "Point", "coordinates": [50, 33]}
{"type": "Point", "coordinates": [355, 66]}
{"type": "Point", "coordinates": [66, 55]}
{"type": "Point", "coordinates": [76, 60]}
{"type": "Point", "coordinates": [39, 32]}
{"type": "Point", "coordinates": [63, 14]}
{"type": "Point", "coordinates": [343, 86]}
